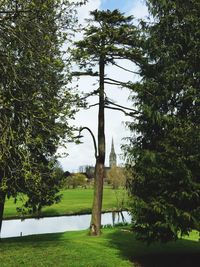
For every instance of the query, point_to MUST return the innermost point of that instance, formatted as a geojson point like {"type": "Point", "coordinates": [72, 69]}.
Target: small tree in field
{"type": "Point", "coordinates": [116, 177]}
{"type": "Point", "coordinates": [76, 180]}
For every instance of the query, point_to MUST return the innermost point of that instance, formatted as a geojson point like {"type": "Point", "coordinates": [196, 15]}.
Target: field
{"type": "Point", "coordinates": [116, 247]}
{"type": "Point", "coordinates": [74, 201]}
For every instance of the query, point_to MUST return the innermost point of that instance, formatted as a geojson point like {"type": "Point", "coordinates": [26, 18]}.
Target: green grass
{"type": "Point", "coordinates": [116, 247]}
{"type": "Point", "coordinates": [74, 201]}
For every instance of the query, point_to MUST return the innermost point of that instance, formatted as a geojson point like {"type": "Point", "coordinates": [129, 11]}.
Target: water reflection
{"type": "Point", "coordinates": [12, 228]}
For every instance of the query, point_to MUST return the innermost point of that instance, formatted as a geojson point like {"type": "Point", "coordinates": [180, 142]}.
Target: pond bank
{"type": "Point", "coordinates": [74, 202]}
{"type": "Point", "coordinates": [14, 228]}
{"type": "Point", "coordinates": [49, 215]}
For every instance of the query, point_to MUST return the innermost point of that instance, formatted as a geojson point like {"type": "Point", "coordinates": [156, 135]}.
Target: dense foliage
{"type": "Point", "coordinates": [34, 102]}
{"type": "Point", "coordinates": [164, 150]}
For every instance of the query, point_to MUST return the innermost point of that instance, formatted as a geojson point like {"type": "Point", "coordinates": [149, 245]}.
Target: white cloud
{"type": "Point", "coordinates": [84, 11]}
{"type": "Point", "coordinates": [139, 9]}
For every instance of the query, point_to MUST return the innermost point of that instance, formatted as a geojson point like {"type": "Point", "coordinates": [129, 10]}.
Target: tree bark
{"type": "Point", "coordinates": [95, 225]}
{"type": "Point", "coordinates": [2, 203]}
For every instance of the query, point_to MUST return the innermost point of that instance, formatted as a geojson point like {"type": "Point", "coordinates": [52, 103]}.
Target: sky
{"type": "Point", "coordinates": [83, 154]}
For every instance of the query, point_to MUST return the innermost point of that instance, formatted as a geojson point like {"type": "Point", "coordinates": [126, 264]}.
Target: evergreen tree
{"type": "Point", "coordinates": [107, 38]}
{"type": "Point", "coordinates": [34, 102]}
{"type": "Point", "coordinates": [165, 146]}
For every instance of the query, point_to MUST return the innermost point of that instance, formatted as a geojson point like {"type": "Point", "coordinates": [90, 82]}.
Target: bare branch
{"type": "Point", "coordinates": [87, 73]}
{"type": "Point", "coordinates": [134, 72]}
{"type": "Point", "coordinates": [115, 81]}
{"type": "Point", "coordinates": [94, 140]}
{"type": "Point", "coordinates": [112, 83]}
{"type": "Point", "coordinates": [95, 92]}
{"type": "Point", "coordinates": [123, 84]}
{"type": "Point", "coordinates": [117, 105]}
{"type": "Point", "coordinates": [93, 105]}
{"type": "Point", "coordinates": [130, 114]}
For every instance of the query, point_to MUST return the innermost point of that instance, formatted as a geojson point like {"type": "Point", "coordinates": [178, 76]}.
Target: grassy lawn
{"type": "Point", "coordinates": [116, 247]}
{"type": "Point", "coordinates": [74, 201]}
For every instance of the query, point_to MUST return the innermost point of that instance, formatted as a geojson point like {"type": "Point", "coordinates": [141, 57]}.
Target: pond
{"type": "Point", "coordinates": [13, 228]}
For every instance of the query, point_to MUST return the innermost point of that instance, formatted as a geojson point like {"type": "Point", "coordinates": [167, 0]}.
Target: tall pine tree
{"type": "Point", "coordinates": [107, 38]}
{"type": "Point", "coordinates": [164, 150]}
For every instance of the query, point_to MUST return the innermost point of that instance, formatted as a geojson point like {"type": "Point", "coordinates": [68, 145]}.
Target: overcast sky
{"type": "Point", "coordinates": [83, 154]}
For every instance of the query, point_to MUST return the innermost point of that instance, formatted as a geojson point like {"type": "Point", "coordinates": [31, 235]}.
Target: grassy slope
{"type": "Point", "coordinates": [115, 247]}
{"type": "Point", "coordinates": [73, 201]}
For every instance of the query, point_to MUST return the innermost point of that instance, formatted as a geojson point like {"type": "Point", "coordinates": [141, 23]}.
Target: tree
{"type": "Point", "coordinates": [58, 172]}
{"type": "Point", "coordinates": [43, 187]}
{"type": "Point", "coordinates": [116, 177]}
{"type": "Point", "coordinates": [107, 38]}
{"type": "Point", "coordinates": [163, 152]}
{"type": "Point", "coordinates": [34, 102]}
{"type": "Point", "coordinates": [75, 180]}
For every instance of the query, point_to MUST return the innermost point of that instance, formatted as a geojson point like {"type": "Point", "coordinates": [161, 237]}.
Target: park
{"type": "Point", "coordinates": [116, 246]}
{"type": "Point", "coordinates": [99, 133]}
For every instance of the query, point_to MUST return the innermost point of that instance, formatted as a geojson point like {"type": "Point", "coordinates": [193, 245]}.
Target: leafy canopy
{"type": "Point", "coordinates": [164, 147]}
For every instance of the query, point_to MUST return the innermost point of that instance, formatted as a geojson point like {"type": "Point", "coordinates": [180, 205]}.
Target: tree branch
{"type": "Point", "coordinates": [134, 72]}
{"type": "Point", "coordinates": [112, 83]}
{"type": "Point", "coordinates": [93, 105]}
{"type": "Point", "coordinates": [117, 105]}
{"type": "Point", "coordinates": [130, 114]}
{"type": "Point", "coordinates": [115, 81]}
{"type": "Point", "coordinates": [94, 140]}
{"type": "Point", "coordinates": [95, 92]}
{"type": "Point", "coordinates": [87, 73]}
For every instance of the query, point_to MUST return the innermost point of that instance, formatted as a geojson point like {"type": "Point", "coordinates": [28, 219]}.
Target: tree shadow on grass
{"type": "Point", "coordinates": [183, 253]}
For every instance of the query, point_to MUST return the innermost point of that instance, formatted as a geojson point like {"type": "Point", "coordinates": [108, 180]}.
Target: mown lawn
{"type": "Point", "coordinates": [116, 247]}
{"type": "Point", "coordinates": [74, 201]}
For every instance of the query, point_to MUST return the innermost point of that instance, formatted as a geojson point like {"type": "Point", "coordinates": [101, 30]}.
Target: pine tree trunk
{"type": "Point", "coordinates": [2, 203]}
{"type": "Point", "coordinates": [95, 225]}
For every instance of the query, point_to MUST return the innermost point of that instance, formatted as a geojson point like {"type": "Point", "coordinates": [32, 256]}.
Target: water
{"type": "Point", "coordinates": [13, 228]}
